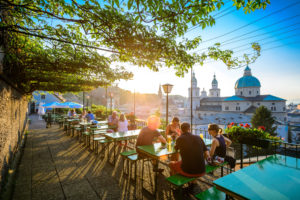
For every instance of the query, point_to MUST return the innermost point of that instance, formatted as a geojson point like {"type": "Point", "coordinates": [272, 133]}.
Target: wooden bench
{"type": "Point", "coordinates": [211, 194]}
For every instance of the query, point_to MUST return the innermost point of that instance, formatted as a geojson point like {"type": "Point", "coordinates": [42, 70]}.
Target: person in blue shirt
{"type": "Point", "coordinates": [90, 116]}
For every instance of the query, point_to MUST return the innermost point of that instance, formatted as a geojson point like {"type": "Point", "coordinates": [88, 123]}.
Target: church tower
{"type": "Point", "coordinates": [195, 92]}
{"type": "Point", "coordinates": [195, 89]}
{"type": "Point", "coordinates": [214, 91]}
{"type": "Point", "coordinates": [159, 92]}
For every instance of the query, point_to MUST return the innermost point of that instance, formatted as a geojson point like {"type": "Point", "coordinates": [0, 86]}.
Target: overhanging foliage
{"type": "Point", "coordinates": [59, 45]}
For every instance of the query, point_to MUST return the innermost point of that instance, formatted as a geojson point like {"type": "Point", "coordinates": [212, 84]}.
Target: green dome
{"type": "Point", "coordinates": [247, 80]}
{"type": "Point", "coordinates": [214, 81]}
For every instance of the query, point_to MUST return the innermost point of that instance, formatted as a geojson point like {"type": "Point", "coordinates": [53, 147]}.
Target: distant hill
{"type": "Point", "coordinates": [98, 97]}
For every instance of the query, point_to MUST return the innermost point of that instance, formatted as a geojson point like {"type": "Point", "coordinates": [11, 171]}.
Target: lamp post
{"type": "Point", "coordinates": [106, 101]}
{"type": "Point", "coordinates": [134, 102]}
{"type": "Point", "coordinates": [83, 96]}
{"type": "Point", "coordinates": [111, 96]}
{"type": "Point", "coordinates": [167, 89]}
{"type": "Point", "coordinates": [87, 101]}
{"type": "Point", "coordinates": [192, 100]}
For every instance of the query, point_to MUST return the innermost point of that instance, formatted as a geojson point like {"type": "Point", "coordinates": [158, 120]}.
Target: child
{"type": "Point", "coordinates": [219, 144]}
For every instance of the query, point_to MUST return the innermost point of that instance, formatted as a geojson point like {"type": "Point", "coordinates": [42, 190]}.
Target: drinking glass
{"type": "Point", "coordinates": [201, 135]}
{"type": "Point", "coordinates": [169, 139]}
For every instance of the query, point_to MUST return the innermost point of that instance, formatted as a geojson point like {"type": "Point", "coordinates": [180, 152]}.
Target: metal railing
{"type": "Point", "coordinates": [246, 154]}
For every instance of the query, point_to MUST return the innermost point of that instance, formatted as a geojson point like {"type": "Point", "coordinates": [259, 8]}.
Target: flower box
{"type": "Point", "coordinates": [246, 135]}
{"type": "Point", "coordinates": [255, 142]}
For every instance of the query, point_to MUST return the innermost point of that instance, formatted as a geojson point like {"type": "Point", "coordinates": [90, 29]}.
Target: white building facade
{"type": "Point", "coordinates": [245, 101]}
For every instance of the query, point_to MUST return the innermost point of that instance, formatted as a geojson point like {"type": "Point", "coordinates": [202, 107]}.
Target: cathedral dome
{"type": "Point", "coordinates": [247, 80]}
{"type": "Point", "coordinates": [214, 81]}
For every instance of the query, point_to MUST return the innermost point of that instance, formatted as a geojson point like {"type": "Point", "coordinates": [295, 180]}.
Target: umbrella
{"type": "Point", "coordinates": [72, 105]}
{"type": "Point", "coordinates": [54, 105]}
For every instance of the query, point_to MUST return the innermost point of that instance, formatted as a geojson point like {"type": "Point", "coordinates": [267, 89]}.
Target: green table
{"type": "Point", "coordinates": [121, 136]}
{"type": "Point", "coordinates": [276, 177]}
{"type": "Point", "coordinates": [158, 150]}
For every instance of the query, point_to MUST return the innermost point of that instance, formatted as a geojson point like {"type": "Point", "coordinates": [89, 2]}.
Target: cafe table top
{"type": "Point", "coordinates": [85, 123]}
{"type": "Point", "coordinates": [276, 177]}
{"type": "Point", "coordinates": [123, 135]}
{"type": "Point", "coordinates": [158, 149]}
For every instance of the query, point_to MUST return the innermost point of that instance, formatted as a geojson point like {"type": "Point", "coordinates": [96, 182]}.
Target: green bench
{"type": "Point", "coordinates": [125, 158]}
{"type": "Point", "coordinates": [179, 180]}
{"type": "Point", "coordinates": [211, 194]}
{"type": "Point", "coordinates": [103, 142]}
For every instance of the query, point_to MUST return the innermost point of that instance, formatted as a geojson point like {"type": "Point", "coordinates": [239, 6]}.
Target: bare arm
{"type": "Point", "coordinates": [206, 154]}
{"type": "Point", "coordinates": [213, 147]}
{"type": "Point", "coordinates": [162, 139]}
{"type": "Point", "coordinates": [227, 141]}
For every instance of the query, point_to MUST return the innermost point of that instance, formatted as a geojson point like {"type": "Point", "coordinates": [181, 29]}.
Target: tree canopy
{"type": "Point", "coordinates": [60, 45]}
{"type": "Point", "coordinates": [263, 117]}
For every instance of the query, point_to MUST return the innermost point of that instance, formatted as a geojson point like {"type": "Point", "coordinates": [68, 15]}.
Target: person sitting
{"type": "Point", "coordinates": [173, 129]}
{"type": "Point", "coordinates": [148, 136]}
{"type": "Point", "coordinates": [219, 144]}
{"type": "Point", "coordinates": [113, 121]}
{"type": "Point", "coordinates": [122, 123]}
{"type": "Point", "coordinates": [90, 116]}
{"type": "Point", "coordinates": [83, 114]}
{"type": "Point", "coordinates": [72, 113]}
{"type": "Point", "coordinates": [193, 153]}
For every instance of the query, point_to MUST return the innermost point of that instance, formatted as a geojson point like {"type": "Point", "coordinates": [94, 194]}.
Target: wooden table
{"type": "Point", "coordinates": [276, 177]}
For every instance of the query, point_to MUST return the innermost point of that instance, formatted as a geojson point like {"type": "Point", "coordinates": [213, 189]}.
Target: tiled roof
{"type": "Point", "coordinates": [251, 109]}
{"type": "Point", "coordinates": [257, 98]}
{"type": "Point", "coordinates": [209, 108]}
{"type": "Point", "coordinates": [273, 98]}
{"type": "Point", "coordinates": [210, 99]}
{"type": "Point", "coordinates": [234, 98]}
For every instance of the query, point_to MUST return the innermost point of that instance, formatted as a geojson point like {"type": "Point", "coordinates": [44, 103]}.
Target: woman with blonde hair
{"type": "Point", "coordinates": [122, 123]}
{"type": "Point", "coordinates": [219, 143]}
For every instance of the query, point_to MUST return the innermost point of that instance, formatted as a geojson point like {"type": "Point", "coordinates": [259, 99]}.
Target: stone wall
{"type": "Point", "coordinates": [13, 117]}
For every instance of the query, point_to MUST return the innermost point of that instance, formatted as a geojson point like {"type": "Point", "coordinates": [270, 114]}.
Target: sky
{"type": "Point", "coordinates": [278, 67]}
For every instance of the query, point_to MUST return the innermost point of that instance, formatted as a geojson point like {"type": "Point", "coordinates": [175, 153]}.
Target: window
{"type": "Point", "coordinates": [237, 108]}
{"type": "Point", "coordinates": [273, 103]}
{"type": "Point", "coordinates": [283, 108]}
{"type": "Point", "coordinates": [237, 103]}
{"type": "Point", "coordinates": [226, 107]}
{"type": "Point", "coordinates": [249, 92]}
{"type": "Point", "coordinates": [256, 92]}
{"type": "Point", "coordinates": [273, 108]}
{"type": "Point", "coordinates": [285, 119]}
{"type": "Point", "coordinates": [43, 96]}
{"type": "Point", "coordinates": [241, 93]}
{"type": "Point", "coordinates": [258, 103]}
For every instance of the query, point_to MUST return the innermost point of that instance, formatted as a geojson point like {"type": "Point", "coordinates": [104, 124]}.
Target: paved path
{"type": "Point", "coordinates": [57, 166]}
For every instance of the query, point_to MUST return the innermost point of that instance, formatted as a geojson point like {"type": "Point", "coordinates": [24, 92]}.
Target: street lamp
{"type": "Point", "coordinates": [87, 99]}
{"type": "Point", "coordinates": [111, 96]}
{"type": "Point", "coordinates": [167, 89]}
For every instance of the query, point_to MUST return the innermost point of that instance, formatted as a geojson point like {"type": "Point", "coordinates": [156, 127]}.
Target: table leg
{"type": "Point", "coordinates": [114, 152]}
{"type": "Point", "coordinates": [155, 178]}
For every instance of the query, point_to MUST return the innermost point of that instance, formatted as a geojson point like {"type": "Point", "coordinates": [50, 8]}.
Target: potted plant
{"type": "Point", "coordinates": [244, 134]}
